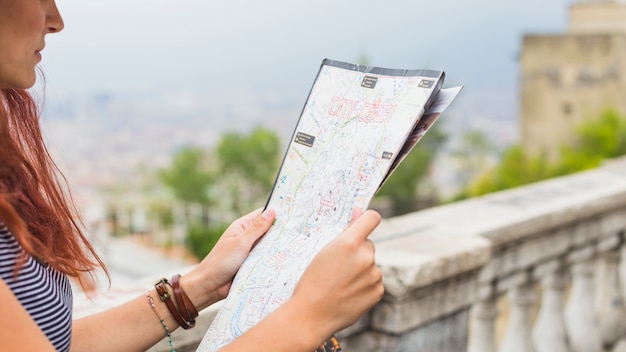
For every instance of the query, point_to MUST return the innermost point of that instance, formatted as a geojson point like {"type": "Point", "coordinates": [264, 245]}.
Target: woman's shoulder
{"type": "Point", "coordinates": [43, 292]}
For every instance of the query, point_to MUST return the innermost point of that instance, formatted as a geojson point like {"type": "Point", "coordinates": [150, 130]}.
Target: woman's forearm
{"type": "Point", "coordinates": [133, 326]}
{"type": "Point", "coordinates": [290, 328]}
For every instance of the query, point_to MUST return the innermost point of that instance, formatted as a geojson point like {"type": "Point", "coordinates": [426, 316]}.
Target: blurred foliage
{"type": "Point", "coordinates": [515, 169]}
{"type": "Point", "coordinates": [473, 154]}
{"type": "Point", "coordinates": [402, 185]}
{"type": "Point", "coordinates": [164, 214]}
{"type": "Point", "coordinates": [201, 239]}
{"type": "Point", "coordinates": [596, 140]}
{"type": "Point", "coordinates": [254, 157]}
{"type": "Point", "coordinates": [363, 59]}
{"type": "Point", "coordinates": [189, 176]}
{"type": "Point", "coordinates": [248, 166]}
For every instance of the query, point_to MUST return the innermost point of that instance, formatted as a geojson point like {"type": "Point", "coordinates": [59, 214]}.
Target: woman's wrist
{"type": "Point", "coordinates": [200, 294]}
{"type": "Point", "coordinates": [307, 327]}
{"type": "Point", "coordinates": [299, 330]}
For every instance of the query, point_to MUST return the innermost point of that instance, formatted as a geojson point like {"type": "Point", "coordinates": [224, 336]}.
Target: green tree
{"type": "Point", "coordinates": [248, 165]}
{"type": "Point", "coordinates": [473, 155]}
{"type": "Point", "coordinates": [363, 59]}
{"type": "Point", "coordinates": [401, 188]}
{"type": "Point", "coordinates": [515, 169]}
{"type": "Point", "coordinates": [201, 239]}
{"type": "Point", "coordinates": [189, 177]}
{"type": "Point", "coordinates": [596, 140]}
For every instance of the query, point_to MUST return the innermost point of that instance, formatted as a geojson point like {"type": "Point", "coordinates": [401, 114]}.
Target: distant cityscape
{"type": "Point", "coordinates": [106, 139]}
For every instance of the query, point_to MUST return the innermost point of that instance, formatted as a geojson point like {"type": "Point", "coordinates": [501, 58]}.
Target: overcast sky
{"type": "Point", "coordinates": [144, 46]}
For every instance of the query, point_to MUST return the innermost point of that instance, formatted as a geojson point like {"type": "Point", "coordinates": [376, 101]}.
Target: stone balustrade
{"type": "Point", "coordinates": [533, 269]}
{"type": "Point", "coordinates": [537, 268]}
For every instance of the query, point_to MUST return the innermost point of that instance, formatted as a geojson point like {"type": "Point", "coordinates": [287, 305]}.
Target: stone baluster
{"type": "Point", "coordinates": [622, 271]}
{"type": "Point", "coordinates": [580, 318]}
{"type": "Point", "coordinates": [609, 302]}
{"type": "Point", "coordinates": [483, 318]}
{"type": "Point", "coordinates": [518, 333]}
{"type": "Point", "coordinates": [549, 334]}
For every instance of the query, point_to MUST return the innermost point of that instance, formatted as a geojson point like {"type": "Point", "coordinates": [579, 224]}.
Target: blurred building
{"type": "Point", "coordinates": [567, 78]}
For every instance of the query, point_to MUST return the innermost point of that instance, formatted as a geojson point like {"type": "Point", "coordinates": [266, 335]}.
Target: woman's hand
{"type": "Point", "coordinates": [210, 280]}
{"type": "Point", "coordinates": [339, 286]}
{"type": "Point", "coordinates": [343, 281]}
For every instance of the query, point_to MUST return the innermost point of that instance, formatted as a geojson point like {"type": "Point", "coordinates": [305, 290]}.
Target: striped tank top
{"type": "Point", "coordinates": [44, 292]}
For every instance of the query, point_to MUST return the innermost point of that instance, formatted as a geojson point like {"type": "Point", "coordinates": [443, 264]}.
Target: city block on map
{"type": "Point", "coordinates": [357, 125]}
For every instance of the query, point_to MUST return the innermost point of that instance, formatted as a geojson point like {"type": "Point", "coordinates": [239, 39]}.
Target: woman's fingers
{"type": "Point", "coordinates": [356, 213]}
{"type": "Point", "coordinates": [259, 226]}
{"type": "Point", "coordinates": [240, 225]}
{"type": "Point", "coordinates": [343, 281]}
{"type": "Point", "coordinates": [362, 227]}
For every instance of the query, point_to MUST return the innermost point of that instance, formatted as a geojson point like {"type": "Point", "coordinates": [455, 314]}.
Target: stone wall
{"type": "Point", "coordinates": [566, 79]}
{"type": "Point", "coordinates": [604, 16]}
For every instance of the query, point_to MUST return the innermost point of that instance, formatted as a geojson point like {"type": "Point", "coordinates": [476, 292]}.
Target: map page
{"type": "Point", "coordinates": [351, 130]}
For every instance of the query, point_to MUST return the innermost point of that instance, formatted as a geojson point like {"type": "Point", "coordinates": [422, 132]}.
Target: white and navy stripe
{"type": "Point", "coordinates": [44, 292]}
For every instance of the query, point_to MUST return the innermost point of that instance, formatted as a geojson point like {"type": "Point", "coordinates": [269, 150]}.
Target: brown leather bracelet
{"type": "Point", "coordinates": [166, 298]}
{"type": "Point", "coordinates": [186, 308]}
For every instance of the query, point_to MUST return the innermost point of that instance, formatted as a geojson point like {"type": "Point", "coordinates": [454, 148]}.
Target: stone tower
{"type": "Point", "coordinates": [567, 78]}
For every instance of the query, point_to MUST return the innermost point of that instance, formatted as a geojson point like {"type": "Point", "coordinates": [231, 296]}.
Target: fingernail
{"type": "Point", "coordinates": [268, 213]}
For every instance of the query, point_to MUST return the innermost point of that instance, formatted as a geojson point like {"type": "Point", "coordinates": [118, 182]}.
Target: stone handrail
{"type": "Point", "coordinates": [550, 251]}
{"type": "Point", "coordinates": [442, 263]}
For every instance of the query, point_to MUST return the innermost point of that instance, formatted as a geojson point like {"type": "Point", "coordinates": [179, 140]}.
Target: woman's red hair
{"type": "Point", "coordinates": [35, 207]}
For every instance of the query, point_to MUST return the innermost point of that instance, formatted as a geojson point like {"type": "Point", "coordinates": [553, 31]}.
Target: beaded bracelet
{"type": "Point", "coordinates": [161, 320]}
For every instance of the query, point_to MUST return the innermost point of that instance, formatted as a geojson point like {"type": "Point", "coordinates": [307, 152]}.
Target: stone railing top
{"type": "Point", "coordinates": [432, 245]}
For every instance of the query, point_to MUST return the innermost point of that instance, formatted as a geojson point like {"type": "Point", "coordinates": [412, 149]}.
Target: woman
{"type": "Point", "coordinates": [41, 243]}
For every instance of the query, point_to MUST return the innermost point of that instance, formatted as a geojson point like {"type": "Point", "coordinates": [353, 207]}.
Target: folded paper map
{"type": "Point", "coordinates": [357, 125]}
